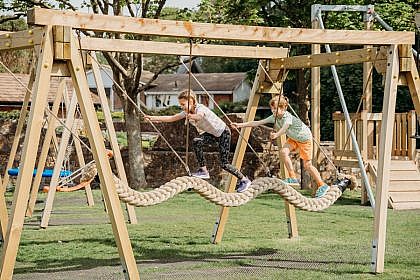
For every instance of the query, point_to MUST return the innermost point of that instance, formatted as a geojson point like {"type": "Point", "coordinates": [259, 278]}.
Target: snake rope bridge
{"type": "Point", "coordinates": [211, 193]}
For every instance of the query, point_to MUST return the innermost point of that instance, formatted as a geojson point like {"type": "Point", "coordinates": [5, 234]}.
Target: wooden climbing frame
{"type": "Point", "coordinates": [60, 57]}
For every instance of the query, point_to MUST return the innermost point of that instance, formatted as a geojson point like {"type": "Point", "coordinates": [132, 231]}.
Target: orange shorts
{"type": "Point", "coordinates": [305, 148]}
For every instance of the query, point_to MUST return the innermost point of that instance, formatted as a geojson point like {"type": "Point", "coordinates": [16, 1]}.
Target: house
{"type": "Point", "coordinates": [114, 101]}
{"type": "Point", "coordinates": [222, 87]}
{"type": "Point", "coordinates": [12, 93]}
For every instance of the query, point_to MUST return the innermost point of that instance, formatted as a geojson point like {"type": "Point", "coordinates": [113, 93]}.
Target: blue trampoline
{"type": "Point", "coordinates": [46, 173]}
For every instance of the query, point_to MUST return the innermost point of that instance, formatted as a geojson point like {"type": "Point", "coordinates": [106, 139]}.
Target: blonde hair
{"type": "Point", "coordinates": [187, 93]}
{"type": "Point", "coordinates": [279, 100]}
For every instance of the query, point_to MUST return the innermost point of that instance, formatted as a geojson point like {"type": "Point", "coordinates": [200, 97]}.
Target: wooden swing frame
{"type": "Point", "coordinates": [60, 55]}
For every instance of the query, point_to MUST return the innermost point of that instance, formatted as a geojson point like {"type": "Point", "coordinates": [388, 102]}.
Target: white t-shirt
{"type": "Point", "coordinates": [210, 123]}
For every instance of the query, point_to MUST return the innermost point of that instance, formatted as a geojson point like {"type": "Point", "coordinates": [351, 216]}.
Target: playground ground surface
{"type": "Point", "coordinates": [172, 241]}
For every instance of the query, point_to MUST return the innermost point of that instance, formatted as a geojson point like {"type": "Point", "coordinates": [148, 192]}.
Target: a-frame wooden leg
{"type": "Point", "coordinates": [238, 157]}
{"type": "Point", "coordinates": [96, 140]}
{"type": "Point", "coordinates": [59, 163]}
{"type": "Point", "coordinates": [30, 148]}
{"type": "Point", "coordinates": [413, 81]}
{"type": "Point", "coordinates": [111, 133]}
{"type": "Point", "coordinates": [51, 121]}
{"type": "Point", "coordinates": [12, 155]}
{"type": "Point", "coordinates": [384, 160]}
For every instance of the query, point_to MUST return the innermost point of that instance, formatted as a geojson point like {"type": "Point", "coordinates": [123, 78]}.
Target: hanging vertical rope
{"type": "Point", "coordinates": [187, 122]}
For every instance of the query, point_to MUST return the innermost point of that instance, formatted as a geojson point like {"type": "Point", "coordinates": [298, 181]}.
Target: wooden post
{"type": "Point", "coordinates": [367, 71]}
{"type": "Point", "coordinates": [51, 121]}
{"type": "Point", "coordinates": [97, 145]}
{"type": "Point", "coordinates": [315, 92]}
{"type": "Point", "coordinates": [111, 133]}
{"type": "Point", "coordinates": [30, 148]}
{"type": "Point", "coordinates": [384, 160]}
{"type": "Point", "coordinates": [238, 157]}
{"type": "Point", "coordinates": [290, 210]}
{"type": "Point", "coordinates": [59, 163]}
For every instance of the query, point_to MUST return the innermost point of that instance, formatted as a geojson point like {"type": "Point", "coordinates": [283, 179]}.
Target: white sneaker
{"type": "Point", "coordinates": [243, 185]}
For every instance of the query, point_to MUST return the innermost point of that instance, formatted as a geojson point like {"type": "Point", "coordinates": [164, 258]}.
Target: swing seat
{"type": "Point", "coordinates": [47, 173]}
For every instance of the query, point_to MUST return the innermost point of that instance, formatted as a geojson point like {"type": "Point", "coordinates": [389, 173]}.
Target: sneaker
{"type": "Point", "coordinates": [201, 174]}
{"type": "Point", "coordinates": [291, 181]}
{"type": "Point", "coordinates": [321, 191]}
{"type": "Point", "coordinates": [243, 185]}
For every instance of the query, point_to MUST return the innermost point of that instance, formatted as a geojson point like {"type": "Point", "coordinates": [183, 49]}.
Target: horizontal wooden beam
{"type": "Point", "coordinates": [327, 59]}
{"type": "Point", "coordinates": [186, 29]}
{"type": "Point", "coordinates": [153, 47]}
{"type": "Point", "coordinates": [21, 39]}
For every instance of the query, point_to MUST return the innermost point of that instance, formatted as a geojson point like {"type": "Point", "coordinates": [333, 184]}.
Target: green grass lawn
{"type": "Point", "coordinates": [172, 241]}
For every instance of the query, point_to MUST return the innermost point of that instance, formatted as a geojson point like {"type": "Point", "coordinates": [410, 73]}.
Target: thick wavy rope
{"type": "Point", "coordinates": [213, 194]}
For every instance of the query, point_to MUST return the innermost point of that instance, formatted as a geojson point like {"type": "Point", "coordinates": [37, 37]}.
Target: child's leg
{"type": "Point", "coordinates": [224, 147]}
{"type": "Point", "coordinates": [198, 143]}
{"type": "Point", "coordinates": [285, 157]}
{"type": "Point", "coordinates": [307, 164]}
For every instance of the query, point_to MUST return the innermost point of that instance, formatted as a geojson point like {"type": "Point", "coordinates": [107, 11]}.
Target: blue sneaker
{"type": "Point", "coordinates": [243, 184]}
{"type": "Point", "coordinates": [321, 191]}
{"type": "Point", "coordinates": [291, 181]}
{"type": "Point", "coordinates": [201, 174]}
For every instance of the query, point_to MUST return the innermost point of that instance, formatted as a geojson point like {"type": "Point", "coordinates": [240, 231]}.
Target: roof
{"type": "Point", "coordinates": [107, 77]}
{"type": "Point", "coordinates": [212, 82]}
{"type": "Point", "coordinates": [11, 91]}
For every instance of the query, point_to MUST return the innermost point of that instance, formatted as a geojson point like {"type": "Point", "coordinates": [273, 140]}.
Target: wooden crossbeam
{"type": "Point", "coordinates": [153, 47]}
{"type": "Point", "coordinates": [327, 59]}
{"type": "Point", "coordinates": [186, 29]}
{"type": "Point", "coordinates": [20, 40]}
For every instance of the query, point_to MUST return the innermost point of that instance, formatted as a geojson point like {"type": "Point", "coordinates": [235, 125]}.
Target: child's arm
{"type": "Point", "coordinates": [249, 124]}
{"type": "Point", "coordinates": [172, 118]}
{"type": "Point", "coordinates": [281, 131]}
{"type": "Point", "coordinates": [195, 117]}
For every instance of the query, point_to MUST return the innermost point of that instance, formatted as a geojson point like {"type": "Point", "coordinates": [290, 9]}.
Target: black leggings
{"type": "Point", "coordinates": [223, 142]}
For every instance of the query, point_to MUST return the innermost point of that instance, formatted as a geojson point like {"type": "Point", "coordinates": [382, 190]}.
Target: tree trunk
{"type": "Point", "coordinates": [135, 172]}
{"type": "Point", "coordinates": [304, 104]}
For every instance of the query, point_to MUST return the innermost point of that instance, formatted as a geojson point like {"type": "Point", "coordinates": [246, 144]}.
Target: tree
{"type": "Point", "coordinates": [127, 67]}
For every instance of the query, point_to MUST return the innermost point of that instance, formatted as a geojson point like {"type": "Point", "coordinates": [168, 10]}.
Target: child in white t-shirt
{"type": "Point", "coordinates": [211, 129]}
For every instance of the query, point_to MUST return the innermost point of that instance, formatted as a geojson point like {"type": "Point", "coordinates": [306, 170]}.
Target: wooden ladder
{"type": "Point", "coordinates": [404, 186]}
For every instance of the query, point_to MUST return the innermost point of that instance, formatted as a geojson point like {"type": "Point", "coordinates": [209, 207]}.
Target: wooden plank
{"type": "Point", "coordinates": [414, 85]}
{"type": "Point", "coordinates": [384, 159]}
{"type": "Point", "coordinates": [21, 39]}
{"type": "Point", "coordinates": [397, 135]}
{"type": "Point", "coordinates": [398, 165]}
{"type": "Point", "coordinates": [404, 136]}
{"type": "Point", "coordinates": [97, 145]}
{"type": "Point", "coordinates": [186, 29]}
{"type": "Point", "coordinates": [346, 163]}
{"type": "Point", "coordinates": [411, 130]}
{"type": "Point", "coordinates": [404, 186]}
{"type": "Point", "coordinates": [155, 47]}
{"type": "Point", "coordinates": [404, 196]}
{"type": "Point", "coordinates": [51, 121]}
{"type": "Point", "coordinates": [368, 74]}
{"type": "Point", "coordinates": [315, 96]}
{"type": "Point", "coordinates": [328, 59]}
{"type": "Point", "coordinates": [404, 175]}
{"type": "Point", "coordinates": [406, 205]}
{"type": "Point", "coordinates": [238, 156]}
{"type": "Point", "coordinates": [344, 153]}
{"type": "Point", "coordinates": [111, 133]}
{"type": "Point", "coordinates": [30, 148]}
